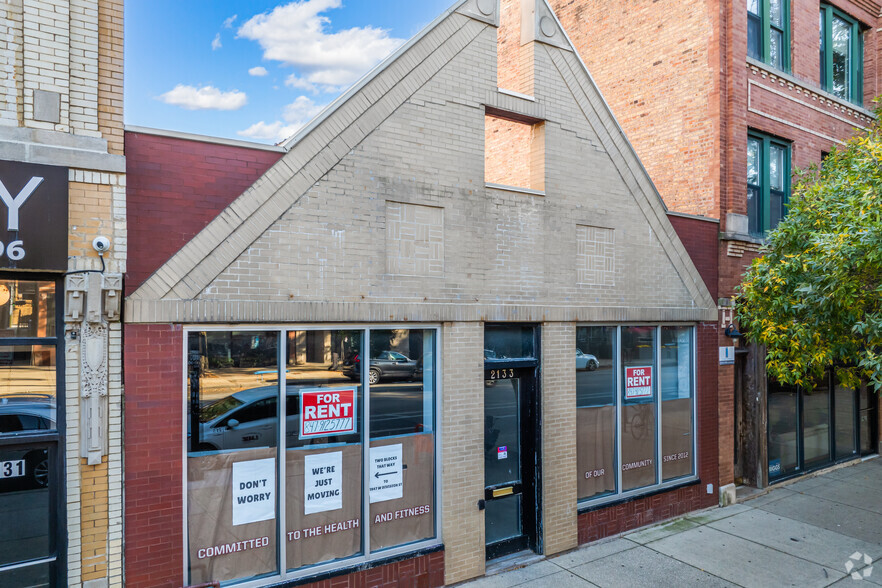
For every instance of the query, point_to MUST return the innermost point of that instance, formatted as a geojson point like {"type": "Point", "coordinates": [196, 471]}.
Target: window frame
{"type": "Point", "coordinates": [855, 93]}
{"type": "Point", "coordinates": [765, 185]}
{"type": "Point", "coordinates": [593, 502]}
{"type": "Point", "coordinates": [53, 440]}
{"type": "Point", "coordinates": [366, 557]}
{"type": "Point", "coordinates": [766, 27]}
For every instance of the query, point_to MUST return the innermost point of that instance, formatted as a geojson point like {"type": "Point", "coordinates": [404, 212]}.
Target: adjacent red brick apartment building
{"type": "Point", "coordinates": [722, 101]}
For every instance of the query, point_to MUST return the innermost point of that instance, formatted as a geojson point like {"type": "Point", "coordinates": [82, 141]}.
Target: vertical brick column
{"type": "Point", "coordinates": [462, 427]}
{"type": "Point", "coordinates": [154, 479]}
{"type": "Point", "coordinates": [559, 475]}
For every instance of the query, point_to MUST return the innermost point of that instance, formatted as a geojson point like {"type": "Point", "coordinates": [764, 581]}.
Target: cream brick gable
{"type": "Point", "coordinates": [309, 240]}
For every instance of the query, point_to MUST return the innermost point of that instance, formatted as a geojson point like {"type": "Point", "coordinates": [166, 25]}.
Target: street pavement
{"type": "Point", "coordinates": [800, 534]}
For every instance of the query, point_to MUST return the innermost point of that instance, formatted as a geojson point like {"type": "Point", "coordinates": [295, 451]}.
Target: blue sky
{"type": "Point", "coordinates": [255, 69]}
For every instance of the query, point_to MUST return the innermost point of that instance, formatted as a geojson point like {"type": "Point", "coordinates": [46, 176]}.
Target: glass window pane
{"type": "Point", "coordinates": [596, 410]}
{"type": "Point", "coordinates": [503, 342]}
{"type": "Point", "coordinates": [638, 425]}
{"type": "Point", "coordinates": [233, 424]}
{"type": "Point", "coordinates": [25, 507]}
{"type": "Point", "coordinates": [754, 36]}
{"type": "Point", "coordinates": [776, 167]}
{"type": "Point", "coordinates": [823, 50]}
{"type": "Point", "coordinates": [753, 7]}
{"type": "Point", "coordinates": [776, 12]}
{"type": "Point", "coordinates": [783, 457]}
{"type": "Point", "coordinates": [845, 416]}
{"type": "Point", "coordinates": [776, 48]}
{"type": "Point", "coordinates": [753, 211]}
{"type": "Point", "coordinates": [676, 392]}
{"type": "Point", "coordinates": [324, 471]}
{"type": "Point", "coordinates": [27, 308]}
{"type": "Point", "coordinates": [816, 425]}
{"type": "Point", "coordinates": [841, 47]}
{"type": "Point", "coordinates": [27, 388]}
{"type": "Point", "coordinates": [502, 519]}
{"type": "Point", "coordinates": [776, 208]}
{"type": "Point", "coordinates": [402, 423]}
{"type": "Point", "coordinates": [35, 576]}
{"type": "Point", "coordinates": [753, 161]}
{"type": "Point", "coordinates": [502, 429]}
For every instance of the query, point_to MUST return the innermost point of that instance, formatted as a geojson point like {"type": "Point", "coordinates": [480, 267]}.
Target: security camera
{"type": "Point", "coordinates": [101, 244]}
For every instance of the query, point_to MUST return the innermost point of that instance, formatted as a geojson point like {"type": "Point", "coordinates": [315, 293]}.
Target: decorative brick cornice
{"type": "Point", "coordinates": [860, 115]}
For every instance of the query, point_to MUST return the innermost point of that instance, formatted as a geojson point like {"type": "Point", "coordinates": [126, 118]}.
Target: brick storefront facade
{"type": "Point", "coordinates": [382, 216]}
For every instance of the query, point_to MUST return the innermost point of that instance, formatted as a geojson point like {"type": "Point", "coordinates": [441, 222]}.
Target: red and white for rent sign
{"type": "Point", "coordinates": [327, 411]}
{"type": "Point", "coordinates": [638, 382]}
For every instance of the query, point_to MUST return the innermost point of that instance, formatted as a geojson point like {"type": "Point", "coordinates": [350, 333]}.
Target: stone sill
{"type": "Point", "coordinates": [514, 189]}
{"type": "Point", "coordinates": [742, 237]}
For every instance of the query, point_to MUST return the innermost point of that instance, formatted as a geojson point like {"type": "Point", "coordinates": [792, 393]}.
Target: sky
{"type": "Point", "coordinates": [255, 70]}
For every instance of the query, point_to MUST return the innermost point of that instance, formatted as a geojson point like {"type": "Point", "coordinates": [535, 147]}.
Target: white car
{"type": "Point", "coordinates": [586, 361]}
{"type": "Point", "coordinates": [244, 419]}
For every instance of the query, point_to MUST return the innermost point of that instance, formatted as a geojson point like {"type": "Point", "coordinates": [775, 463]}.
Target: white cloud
{"type": "Point", "coordinates": [228, 22]}
{"type": "Point", "coordinates": [216, 43]}
{"type": "Point", "coordinates": [258, 71]}
{"type": "Point", "coordinates": [295, 116]}
{"type": "Point", "coordinates": [204, 98]}
{"type": "Point", "coordinates": [275, 132]}
{"type": "Point", "coordinates": [296, 34]}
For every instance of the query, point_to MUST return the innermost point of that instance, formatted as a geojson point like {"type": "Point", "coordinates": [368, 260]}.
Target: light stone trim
{"type": "Point", "coordinates": [193, 268]}
{"type": "Point", "coordinates": [515, 104]}
{"type": "Point", "coordinates": [56, 148]}
{"type": "Point", "coordinates": [221, 311]}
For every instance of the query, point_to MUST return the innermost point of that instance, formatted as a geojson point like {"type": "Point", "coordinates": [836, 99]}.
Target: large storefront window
{"type": "Point", "coordinates": [328, 483]}
{"type": "Point", "coordinates": [596, 410]}
{"type": "Point", "coordinates": [811, 428]}
{"type": "Point", "coordinates": [29, 433]}
{"type": "Point", "coordinates": [635, 390]}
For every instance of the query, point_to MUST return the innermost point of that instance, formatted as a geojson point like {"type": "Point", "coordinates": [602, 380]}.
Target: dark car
{"type": "Point", "coordinates": [19, 414]}
{"type": "Point", "coordinates": [387, 365]}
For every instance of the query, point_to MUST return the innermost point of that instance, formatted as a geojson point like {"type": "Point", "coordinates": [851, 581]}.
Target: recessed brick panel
{"type": "Point", "coordinates": [414, 239]}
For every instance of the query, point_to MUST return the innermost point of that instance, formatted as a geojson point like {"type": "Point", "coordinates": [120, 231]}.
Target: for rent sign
{"type": "Point", "coordinates": [638, 382]}
{"type": "Point", "coordinates": [327, 411]}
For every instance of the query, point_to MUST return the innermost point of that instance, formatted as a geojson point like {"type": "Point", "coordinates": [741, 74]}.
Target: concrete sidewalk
{"type": "Point", "coordinates": [800, 534]}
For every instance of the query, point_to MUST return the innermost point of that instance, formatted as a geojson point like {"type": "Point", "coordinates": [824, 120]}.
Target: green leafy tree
{"type": "Point", "coordinates": [814, 298]}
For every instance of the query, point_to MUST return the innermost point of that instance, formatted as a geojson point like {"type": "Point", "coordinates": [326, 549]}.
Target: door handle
{"type": "Point", "coordinates": [497, 492]}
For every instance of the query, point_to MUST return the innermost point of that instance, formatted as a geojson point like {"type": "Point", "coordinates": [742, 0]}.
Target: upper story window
{"type": "Point", "coordinates": [841, 53]}
{"type": "Point", "coordinates": [768, 32]}
{"type": "Point", "coordinates": [768, 182]}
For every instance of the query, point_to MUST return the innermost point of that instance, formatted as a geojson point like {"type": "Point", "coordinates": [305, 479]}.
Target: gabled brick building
{"type": "Point", "coordinates": [722, 100]}
{"type": "Point", "coordinates": [458, 299]}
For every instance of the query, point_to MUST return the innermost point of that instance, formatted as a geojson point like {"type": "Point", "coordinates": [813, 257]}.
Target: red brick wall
{"type": "Point", "coordinates": [426, 571]}
{"type": "Point", "coordinates": [657, 65]}
{"type": "Point", "coordinates": [620, 518]}
{"type": "Point", "coordinates": [701, 240]}
{"type": "Point", "coordinates": [153, 455]}
{"type": "Point", "coordinates": [174, 188]}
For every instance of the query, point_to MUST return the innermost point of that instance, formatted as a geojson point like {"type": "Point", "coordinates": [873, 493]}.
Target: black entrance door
{"type": "Point", "coordinates": [510, 460]}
